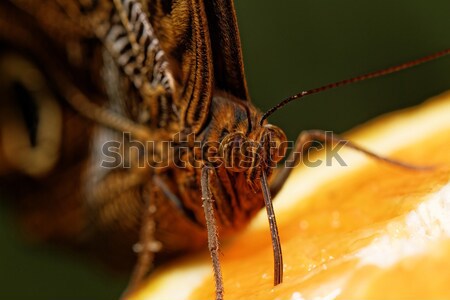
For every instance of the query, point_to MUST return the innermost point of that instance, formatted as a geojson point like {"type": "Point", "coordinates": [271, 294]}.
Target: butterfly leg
{"type": "Point", "coordinates": [119, 205]}
{"type": "Point", "coordinates": [146, 249]}
{"type": "Point", "coordinates": [148, 244]}
{"type": "Point", "coordinates": [305, 141]}
{"type": "Point", "coordinates": [213, 239]}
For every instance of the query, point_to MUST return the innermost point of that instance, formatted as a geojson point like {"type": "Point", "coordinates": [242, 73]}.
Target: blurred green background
{"type": "Point", "coordinates": [289, 46]}
{"type": "Point", "coordinates": [294, 45]}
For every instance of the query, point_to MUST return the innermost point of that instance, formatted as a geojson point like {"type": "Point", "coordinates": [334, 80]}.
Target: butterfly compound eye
{"type": "Point", "coordinates": [278, 143]}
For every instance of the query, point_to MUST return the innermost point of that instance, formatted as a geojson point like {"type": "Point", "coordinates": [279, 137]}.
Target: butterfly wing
{"type": "Point", "coordinates": [201, 42]}
{"type": "Point", "coordinates": [229, 73]}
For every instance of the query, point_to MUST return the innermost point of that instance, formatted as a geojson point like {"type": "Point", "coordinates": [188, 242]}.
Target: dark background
{"type": "Point", "coordinates": [288, 46]}
{"type": "Point", "coordinates": [294, 45]}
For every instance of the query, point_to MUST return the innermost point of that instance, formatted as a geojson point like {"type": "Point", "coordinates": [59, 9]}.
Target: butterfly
{"type": "Point", "coordinates": [141, 133]}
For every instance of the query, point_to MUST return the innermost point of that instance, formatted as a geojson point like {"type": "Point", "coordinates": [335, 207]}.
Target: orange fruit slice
{"type": "Point", "coordinates": [368, 230]}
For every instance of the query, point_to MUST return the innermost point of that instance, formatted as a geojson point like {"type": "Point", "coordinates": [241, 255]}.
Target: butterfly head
{"type": "Point", "coordinates": [244, 145]}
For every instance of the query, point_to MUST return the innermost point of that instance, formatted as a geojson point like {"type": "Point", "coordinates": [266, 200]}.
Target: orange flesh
{"type": "Point", "coordinates": [339, 219]}
{"type": "Point", "coordinates": [363, 234]}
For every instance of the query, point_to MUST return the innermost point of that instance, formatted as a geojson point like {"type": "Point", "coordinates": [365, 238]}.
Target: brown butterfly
{"type": "Point", "coordinates": [138, 131]}
{"type": "Point", "coordinates": [153, 76]}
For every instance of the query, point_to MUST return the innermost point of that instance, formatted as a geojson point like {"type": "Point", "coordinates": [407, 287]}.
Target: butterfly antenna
{"type": "Point", "coordinates": [355, 79]}
{"type": "Point", "coordinates": [276, 244]}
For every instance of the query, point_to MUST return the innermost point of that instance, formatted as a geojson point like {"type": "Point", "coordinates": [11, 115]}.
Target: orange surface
{"type": "Point", "coordinates": [369, 230]}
